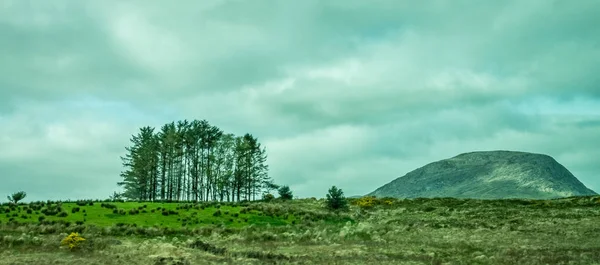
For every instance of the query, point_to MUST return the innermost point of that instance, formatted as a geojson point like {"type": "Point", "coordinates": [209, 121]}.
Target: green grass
{"type": "Point", "coordinates": [150, 214]}
{"type": "Point", "coordinates": [418, 231]}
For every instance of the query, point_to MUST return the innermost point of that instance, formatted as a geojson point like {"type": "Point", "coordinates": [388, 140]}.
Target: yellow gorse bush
{"type": "Point", "coordinates": [72, 241]}
{"type": "Point", "coordinates": [388, 202]}
{"type": "Point", "coordinates": [366, 202]}
{"type": "Point", "coordinates": [369, 202]}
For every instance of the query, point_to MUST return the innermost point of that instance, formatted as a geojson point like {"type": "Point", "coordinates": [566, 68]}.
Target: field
{"type": "Point", "coordinates": [382, 231]}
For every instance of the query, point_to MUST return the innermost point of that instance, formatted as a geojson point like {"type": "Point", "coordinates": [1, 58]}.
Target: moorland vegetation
{"type": "Point", "coordinates": [303, 231]}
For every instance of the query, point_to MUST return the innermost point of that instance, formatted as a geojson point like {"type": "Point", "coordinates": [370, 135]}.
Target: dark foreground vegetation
{"type": "Point", "coordinates": [369, 231]}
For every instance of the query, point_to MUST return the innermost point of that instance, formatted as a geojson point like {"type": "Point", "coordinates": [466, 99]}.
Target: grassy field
{"type": "Point", "coordinates": [144, 214]}
{"type": "Point", "coordinates": [384, 231]}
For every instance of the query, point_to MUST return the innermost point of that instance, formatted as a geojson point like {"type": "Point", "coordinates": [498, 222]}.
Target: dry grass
{"type": "Point", "coordinates": [421, 231]}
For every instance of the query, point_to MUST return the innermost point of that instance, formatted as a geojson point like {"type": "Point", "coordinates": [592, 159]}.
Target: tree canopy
{"type": "Point", "coordinates": [194, 161]}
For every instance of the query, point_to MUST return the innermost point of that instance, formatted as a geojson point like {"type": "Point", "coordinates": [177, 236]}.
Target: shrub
{"type": "Point", "coordinates": [285, 193]}
{"type": "Point", "coordinates": [62, 214]}
{"type": "Point", "coordinates": [108, 206]}
{"type": "Point", "coordinates": [29, 211]}
{"type": "Point", "coordinates": [76, 209]}
{"type": "Point", "coordinates": [366, 202]}
{"type": "Point", "coordinates": [388, 201]}
{"type": "Point", "coordinates": [268, 197]}
{"type": "Point", "coordinates": [217, 213]}
{"type": "Point", "coordinates": [336, 200]}
{"type": "Point", "coordinates": [72, 241]}
{"type": "Point", "coordinates": [52, 212]}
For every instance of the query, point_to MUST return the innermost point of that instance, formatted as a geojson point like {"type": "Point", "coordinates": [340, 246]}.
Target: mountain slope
{"type": "Point", "coordinates": [488, 175]}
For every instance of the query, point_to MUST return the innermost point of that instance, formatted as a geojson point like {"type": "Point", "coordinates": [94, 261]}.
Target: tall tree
{"type": "Point", "coordinates": [193, 161]}
{"type": "Point", "coordinates": [141, 165]}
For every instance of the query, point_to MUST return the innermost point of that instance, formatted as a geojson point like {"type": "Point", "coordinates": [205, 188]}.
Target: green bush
{"type": "Point", "coordinates": [268, 197]}
{"type": "Point", "coordinates": [336, 200]}
{"type": "Point", "coordinates": [285, 193]}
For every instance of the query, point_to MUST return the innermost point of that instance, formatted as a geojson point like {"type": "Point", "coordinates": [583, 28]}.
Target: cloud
{"type": "Point", "coordinates": [344, 93]}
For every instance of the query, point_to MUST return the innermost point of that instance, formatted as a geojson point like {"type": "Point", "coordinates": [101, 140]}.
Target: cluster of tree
{"type": "Point", "coordinates": [194, 161]}
{"type": "Point", "coordinates": [335, 199]}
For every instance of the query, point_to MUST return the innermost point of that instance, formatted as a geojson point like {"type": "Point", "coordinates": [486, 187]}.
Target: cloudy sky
{"type": "Point", "coordinates": [350, 93]}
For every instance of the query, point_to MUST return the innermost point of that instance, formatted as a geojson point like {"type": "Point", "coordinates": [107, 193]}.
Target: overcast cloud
{"type": "Point", "coordinates": [341, 92]}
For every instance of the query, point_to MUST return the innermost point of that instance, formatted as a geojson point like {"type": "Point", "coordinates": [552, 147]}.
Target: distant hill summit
{"type": "Point", "coordinates": [488, 175]}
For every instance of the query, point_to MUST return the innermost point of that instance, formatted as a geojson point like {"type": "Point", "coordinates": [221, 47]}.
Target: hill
{"type": "Point", "coordinates": [488, 175]}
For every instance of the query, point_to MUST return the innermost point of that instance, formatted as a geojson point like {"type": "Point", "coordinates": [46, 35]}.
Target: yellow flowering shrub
{"type": "Point", "coordinates": [369, 202]}
{"type": "Point", "coordinates": [388, 201]}
{"type": "Point", "coordinates": [366, 202]}
{"type": "Point", "coordinates": [72, 241]}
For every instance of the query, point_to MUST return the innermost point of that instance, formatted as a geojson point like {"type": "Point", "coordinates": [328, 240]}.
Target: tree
{"type": "Point", "coordinates": [193, 161]}
{"type": "Point", "coordinates": [115, 196]}
{"type": "Point", "coordinates": [17, 196]}
{"type": "Point", "coordinates": [141, 162]}
{"type": "Point", "coordinates": [336, 200]}
{"type": "Point", "coordinates": [285, 193]}
{"type": "Point", "coordinates": [269, 186]}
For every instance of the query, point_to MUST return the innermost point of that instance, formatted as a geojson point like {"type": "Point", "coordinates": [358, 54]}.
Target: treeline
{"type": "Point", "coordinates": [194, 161]}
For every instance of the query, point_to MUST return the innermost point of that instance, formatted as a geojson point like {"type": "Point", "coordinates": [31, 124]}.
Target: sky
{"type": "Point", "coordinates": [349, 93]}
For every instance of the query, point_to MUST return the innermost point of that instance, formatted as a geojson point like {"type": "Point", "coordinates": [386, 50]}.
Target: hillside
{"type": "Point", "coordinates": [488, 175]}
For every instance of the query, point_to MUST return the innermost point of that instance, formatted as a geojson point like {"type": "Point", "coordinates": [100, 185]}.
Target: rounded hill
{"type": "Point", "coordinates": [488, 175]}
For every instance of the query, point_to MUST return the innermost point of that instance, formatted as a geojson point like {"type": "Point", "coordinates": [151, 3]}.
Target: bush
{"type": "Point", "coordinates": [108, 206]}
{"type": "Point", "coordinates": [76, 209]}
{"type": "Point", "coordinates": [63, 214]}
{"type": "Point", "coordinates": [268, 197]}
{"type": "Point", "coordinates": [336, 200]}
{"type": "Point", "coordinates": [52, 212]}
{"type": "Point", "coordinates": [72, 241]}
{"type": "Point", "coordinates": [285, 193]}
